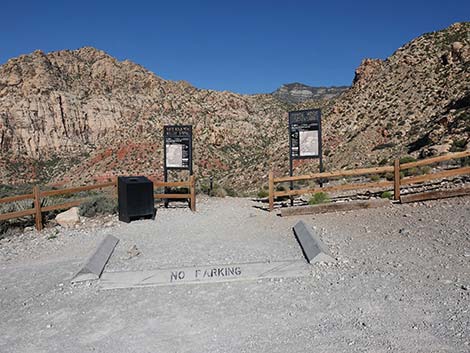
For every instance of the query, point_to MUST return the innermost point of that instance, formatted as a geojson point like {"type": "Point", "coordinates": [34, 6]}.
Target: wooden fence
{"type": "Point", "coordinates": [395, 169]}
{"type": "Point", "coordinates": [190, 185]}
{"type": "Point", "coordinates": [38, 195]}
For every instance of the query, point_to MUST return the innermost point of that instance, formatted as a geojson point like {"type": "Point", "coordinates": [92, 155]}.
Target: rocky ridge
{"type": "Point", "coordinates": [76, 116]}
{"type": "Point", "coordinates": [415, 102]}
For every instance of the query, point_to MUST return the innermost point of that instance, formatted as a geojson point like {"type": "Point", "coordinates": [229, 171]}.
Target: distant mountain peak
{"type": "Point", "coordinates": [297, 92]}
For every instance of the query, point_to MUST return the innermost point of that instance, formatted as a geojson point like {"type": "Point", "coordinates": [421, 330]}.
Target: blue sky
{"type": "Point", "coordinates": [240, 46]}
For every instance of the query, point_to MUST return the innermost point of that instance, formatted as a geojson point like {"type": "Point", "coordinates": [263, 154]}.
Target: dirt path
{"type": "Point", "coordinates": [400, 284]}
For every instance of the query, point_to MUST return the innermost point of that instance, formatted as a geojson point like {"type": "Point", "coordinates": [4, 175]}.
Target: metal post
{"type": "Point", "coordinates": [291, 173]}
{"type": "Point", "coordinates": [321, 171]}
{"type": "Point", "coordinates": [165, 171]}
{"type": "Point", "coordinates": [211, 185]}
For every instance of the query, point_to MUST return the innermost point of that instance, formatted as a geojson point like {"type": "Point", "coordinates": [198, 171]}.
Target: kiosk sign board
{"type": "Point", "coordinates": [178, 146]}
{"type": "Point", "coordinates": [305, 134]}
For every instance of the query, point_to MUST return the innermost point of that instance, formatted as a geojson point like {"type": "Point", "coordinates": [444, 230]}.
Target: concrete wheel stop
{"type": "Point", "coordinates": [312, 246]}
{"type": "Point", "coordinates": [94, 265]}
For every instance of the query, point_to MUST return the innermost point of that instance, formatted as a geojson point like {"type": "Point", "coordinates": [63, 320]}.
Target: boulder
{"type": "Point", "coordinates": [68, 218]}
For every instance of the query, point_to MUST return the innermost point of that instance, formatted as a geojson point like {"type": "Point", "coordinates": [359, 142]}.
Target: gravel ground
{"type": "Point", "coordinates": [401, 283]}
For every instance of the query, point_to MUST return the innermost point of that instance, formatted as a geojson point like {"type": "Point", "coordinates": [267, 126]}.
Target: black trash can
{"type": "Point", "coordinates": [135, 198]}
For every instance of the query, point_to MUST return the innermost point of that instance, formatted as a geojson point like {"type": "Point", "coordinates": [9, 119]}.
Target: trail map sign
{"type": "Point", "coordinates": [178, 141]}
{"type": "Point", "coordinates": [304, 138]}
{"type": "Point", "coordinates": [305, 134]}
{"type": "Point", "coordinates": [177, 151]}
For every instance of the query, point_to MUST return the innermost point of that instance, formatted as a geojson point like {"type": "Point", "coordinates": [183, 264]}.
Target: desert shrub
{"type": "Point", "coordinates": [407, 159]}
{"type": "Point", "coordinates": [384, 146]}
{"type": "Point", "coordinates": [458, 145]}
{"type": "Point", "coordinates": [280, 188]}
{"type": "Point", "coordinates": [231, 192]}
{"type": "Point", "coordinates": [389, 176]}
{"type": "Point", "coordinates": [425, 169]}
{"type": "Point", "coordinates": [204, 188]}
{"type": "Point", "coordinates": [98, 205]}
{"type": "Point", "coordinates": [262, 194]}
{"type": "Point", "coordinates": [218, 191]}
{"type": "Point", "coordinates": [465, 162]}
{"type": "Point", "coordinates": [319, 197]}
{"type": "Point", "coordinates": [375, 177]}
{"type": "Point", "coordinates": [412, 171]}
{"type": "Point", "coordinates": [383, 162]}
{"type": "Point", "coordinates": [386, 195]}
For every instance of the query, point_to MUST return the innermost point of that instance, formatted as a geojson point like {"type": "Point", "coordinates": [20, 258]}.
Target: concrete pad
{"type": "Point", "coordinates": [203, 274]}
{"type": "Point", "coordinates": [312, 246]}
{"type": "Point", "coordinates": [95, 264]}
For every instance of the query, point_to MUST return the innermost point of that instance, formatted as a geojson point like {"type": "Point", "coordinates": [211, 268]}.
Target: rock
{"type": "Point", "coordinates": [404, 232]}
{"type": "Point", "coordinates": [456, 46]}
{"type": "Point", "coordinates": [68, 218]}
{"type": "Point", "coordinates": [366, 71]}
{"type": "Point", "coordinates": [133, 251]}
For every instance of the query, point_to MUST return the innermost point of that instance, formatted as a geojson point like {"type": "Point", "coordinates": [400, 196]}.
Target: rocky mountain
{"type": "Point", "coordinates": [415, 102]}
{"type": "Point", "coordinates": [298, 92]}
{"type": "Point", "coordinates": [80, 115]}
{"type": "Point", "coordinates": [76, 116]}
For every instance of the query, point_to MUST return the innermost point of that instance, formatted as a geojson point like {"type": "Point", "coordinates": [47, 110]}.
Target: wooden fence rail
{"type": "Point", "coordinates": [397, 180]}
{"type": "Point", "coordinates": [190, 184]}
{"type": "Point", "coordinates": [37, 195]}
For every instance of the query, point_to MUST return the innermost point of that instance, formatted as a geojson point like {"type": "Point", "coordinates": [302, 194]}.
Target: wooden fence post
{"type": "Point", "coordinates": [114, 179]}
{"type": "Point", "coordinates": [271, 191]}
{"type": "Point", "coordinates": [192, 181]}
{"type": "Point", "coordinates": [37, 207]}
{"type": "Point", "coordinates": [396, 180]}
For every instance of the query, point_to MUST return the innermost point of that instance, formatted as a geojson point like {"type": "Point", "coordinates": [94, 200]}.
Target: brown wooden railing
{"type": "Point", "coordinates": [396, 182]}
{"type": "Point", "coordinates": [190, 184]}
{"type": "Point", "coordinates": [38, 195]}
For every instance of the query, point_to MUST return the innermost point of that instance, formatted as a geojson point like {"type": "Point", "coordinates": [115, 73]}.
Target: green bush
{"type": "Point", "coordinates": [375, 177]}
{"type": "Point", "coordinates": [407, 159]}
{"type": "Point", "coordinates": [231, 192]}
{"type": "Point", "coordinates": [465, 162]}
{"type": "Point", "coordinates": [425, 169]}
{"type": "Point", "coordinates": [319, 197]}
{"type": "Point", "coordinates": [262, 194]}
{"type": "Point", "coordinates": [204, 188]}
{"type": "Point", "coordinates": [99, 205]}
{"type": "Point", "coordinates": [383, 162]}
{"type": "Point", "coordinates": [458, 145]}
{"type": "Point", "coordinates": [412, 171]}
{"type": "Point", "coordinates": [218, 191]}
{"type": "Point", "coordinates": [386, 195]}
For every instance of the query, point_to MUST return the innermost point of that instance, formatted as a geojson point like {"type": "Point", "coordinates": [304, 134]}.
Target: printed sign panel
{"type": "Point", "coordinates": [308, 143]}
{"type": "Point", "coordinates": [174, 156]}
{"type": "Point", "coordinates": [305, 133]}
{"type": "Point", "coordinates": [178, 146]}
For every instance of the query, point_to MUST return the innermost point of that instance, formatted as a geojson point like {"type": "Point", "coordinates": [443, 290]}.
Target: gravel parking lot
{"type": "Point", "coordinates": [401, 283]}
